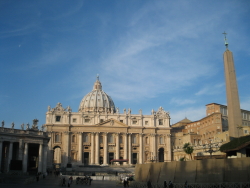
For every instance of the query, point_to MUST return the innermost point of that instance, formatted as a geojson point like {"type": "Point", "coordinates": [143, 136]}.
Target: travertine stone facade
{"type": "Point", "coordinates": [99, 133]}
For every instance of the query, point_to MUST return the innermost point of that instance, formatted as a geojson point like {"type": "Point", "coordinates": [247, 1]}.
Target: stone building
{"type": "Point", "coordinates": [211, 129]}
{"type": "Point", "coordinates": [99, 132]}
{"type": "Point", "coordinates": [23, 150]}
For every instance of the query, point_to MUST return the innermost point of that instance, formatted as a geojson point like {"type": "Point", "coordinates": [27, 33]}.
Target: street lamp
{"type": "Point", "coordinates": [209, 148]}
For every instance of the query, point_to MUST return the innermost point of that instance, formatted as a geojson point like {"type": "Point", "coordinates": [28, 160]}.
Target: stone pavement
{"type": "Point", "coordinates": [52, 181]}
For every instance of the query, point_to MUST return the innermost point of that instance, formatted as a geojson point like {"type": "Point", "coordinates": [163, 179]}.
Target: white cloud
{"type": "Point", "coordinates": [181, 102]}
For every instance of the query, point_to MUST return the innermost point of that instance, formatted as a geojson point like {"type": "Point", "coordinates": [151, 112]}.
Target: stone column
{"type": "Point", "coordinates": [141, 149]}
{"type": "Point", "coordinates": [45, 157]}
{"type": "Point", "coordinates": [25, 157]}
{"type": "Point", "coordinates": [169, 153]}
{"type": "Point", "coordinates": [40, 158]}
{"type": "Point", "coordinates": [80, 148]}
{"type": "Point", "coordinates": [92, 156]}
{"type": "Point", "coordinates": [20, 150]}
{"type": "Point", "coordinates": [1, 148]}
{"type": "Point", "coordinates": [66, 148]}
{"type": "Point", "coordinates": [105, 148]}
{"type": "Point", "coordinates": [10, 155]}
{"type": "Point", "coordinates": [97, 149]}
{"type": "Point", "coordinates": [125, 148]}
{"type": "Point", "coordinates": [117, 148]}
{"type": "Point", "coordinates": [153, 147]}
{"type": "Point", "coordinates": [129, 149]}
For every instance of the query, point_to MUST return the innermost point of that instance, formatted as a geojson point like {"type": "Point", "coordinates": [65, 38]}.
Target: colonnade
{"type": "Point", "coordinates": [22, 152]}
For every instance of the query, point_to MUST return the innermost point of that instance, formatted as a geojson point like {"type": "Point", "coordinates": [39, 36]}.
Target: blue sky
{"type": "Point", "coordinates": [148, 54]}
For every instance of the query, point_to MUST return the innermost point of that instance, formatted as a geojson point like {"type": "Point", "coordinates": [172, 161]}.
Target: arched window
{"type": "Point", "coordinates": [85, 138]}
{"type": "Point", "coordinates": [73, 138]}
{"type": "Point", "coordinates": [57, 138]}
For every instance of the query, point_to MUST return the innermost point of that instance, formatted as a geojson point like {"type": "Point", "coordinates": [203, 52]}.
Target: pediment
{"type": "Point", "coordinates": [112, 123]}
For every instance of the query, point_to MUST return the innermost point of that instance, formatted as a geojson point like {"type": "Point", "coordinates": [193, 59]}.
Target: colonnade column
{"type": "Point", "coordinates": [80, 148]}
{"type": "Point", "coordinates": [129, 149]}
{"type": "Point", "coordinates": [125, 147]}
{"type": "Point", "coordinates": [45, 157]}
{"type": "Point", "coordinates": [20, 150]}
{"type": "Point", "coordinates": [25, 157]}
{"type": "Point", "coordinates": [141, 149]}
{"type": "Point", "coordinates": [1, 148]}
{"type": "Point", "coordinates": [10, 155]}
{"type": "Point", "coordinates": [40, 158]}
{"type": "Point", "coordinates": [92, 156]}
{"type": "Point", "coordinates": [105, 148]}
{"type": "Point", "coordinates": [97, 149]}
{"type": "Point", "coordinates": [117, 149]}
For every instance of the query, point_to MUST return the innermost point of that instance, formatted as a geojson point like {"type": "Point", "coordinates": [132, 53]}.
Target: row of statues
{"type": "Point", "coordinates": [33, 127]}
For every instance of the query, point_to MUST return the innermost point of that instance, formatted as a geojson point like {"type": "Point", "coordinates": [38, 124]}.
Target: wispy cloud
{"type": "Point", "coordinates": [181, 102]}
{"type": "Point", "coordinates": [211, 89]}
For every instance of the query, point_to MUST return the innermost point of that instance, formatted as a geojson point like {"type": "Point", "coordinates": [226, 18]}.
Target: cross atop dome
{"type": "Point", "coordinates": [97, 84]}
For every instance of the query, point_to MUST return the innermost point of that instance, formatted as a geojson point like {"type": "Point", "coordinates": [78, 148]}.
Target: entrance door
{"type": "Point", "coordinates": [86, 158]}
{"type": "Point", "coordinates": [134, 158]}
{"type": "Point", "coordinates": [101, 160]}
{"type": "Point", "coordinates": [111, 157]}
{"type": "Point", "coordinates": [161, 155]}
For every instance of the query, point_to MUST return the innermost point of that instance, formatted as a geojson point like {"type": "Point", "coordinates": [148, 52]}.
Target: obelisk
{"type": "Point", "coordinates": [233, 102]}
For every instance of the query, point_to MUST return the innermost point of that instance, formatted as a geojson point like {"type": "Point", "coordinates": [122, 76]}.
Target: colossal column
{"type": "Point", "coordinates": [25, 157]}
{"type": "Point", "coordinates": [125, 146]}
{"type": "Point", "coordinates": [117, 149]}
{"type": "Point", "coordinates": [80, 148]}
{"type": "Point", "coordinates": [66, 145]}
{"type": "Point", "coordinates": [233, 102]}
{"type": "Point", "coordinates": [105, 148]}
{"type": "Point", "coordinates": [129, 149]}
{"type": "Point", "coordinates": [141, 149]}
{"type": "Point", "coordinates": [92, 156]}
{"type": "Point", "coordinates": [97, 149]}
{"type": "Point", "coordinates": [169, 154]}
{"type": "Point", "coordinates": [153, 147]}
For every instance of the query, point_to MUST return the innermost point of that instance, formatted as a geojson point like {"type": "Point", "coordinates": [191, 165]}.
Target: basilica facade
{"type": "Point", "coordinates": [100, 134]}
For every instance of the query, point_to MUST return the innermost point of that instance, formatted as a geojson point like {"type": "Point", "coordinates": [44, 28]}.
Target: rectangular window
{"type": "Point", "coordinates": [160, 121]}
{"type": "Point", "coordinates": [246, 131]}
{"type": "Point", "coordinates": [101, 139]}
{"type": "Point", "coordinates": [134, 122]}
{"type": "Point", "coordinates": [146, 122]}
{"type": "Point", "coordinates": [101, 120]}
{"type": "Point", "coordinates": [58, 118]}
{"type": "Point", "coordinates": [121, 121]}
{"type": "Point", "coordinates": [74, 120]}
{"type": "Point", "coordinates": [87, 120]}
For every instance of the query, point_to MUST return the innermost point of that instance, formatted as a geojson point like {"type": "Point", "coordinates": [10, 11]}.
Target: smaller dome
{"type": "Point", "coordinates": [97, 100]}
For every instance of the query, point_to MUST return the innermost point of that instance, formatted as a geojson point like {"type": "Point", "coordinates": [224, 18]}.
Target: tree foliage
{"type": "Point", "coordinates": [188, 149]}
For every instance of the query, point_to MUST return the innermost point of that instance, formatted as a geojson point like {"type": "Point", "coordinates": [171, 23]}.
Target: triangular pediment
{"type": "Point", "coordinates": [111, 123]}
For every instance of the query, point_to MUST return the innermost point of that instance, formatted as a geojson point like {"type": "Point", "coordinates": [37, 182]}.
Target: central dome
{"type": "Point", "coordinates": [97, 100]}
